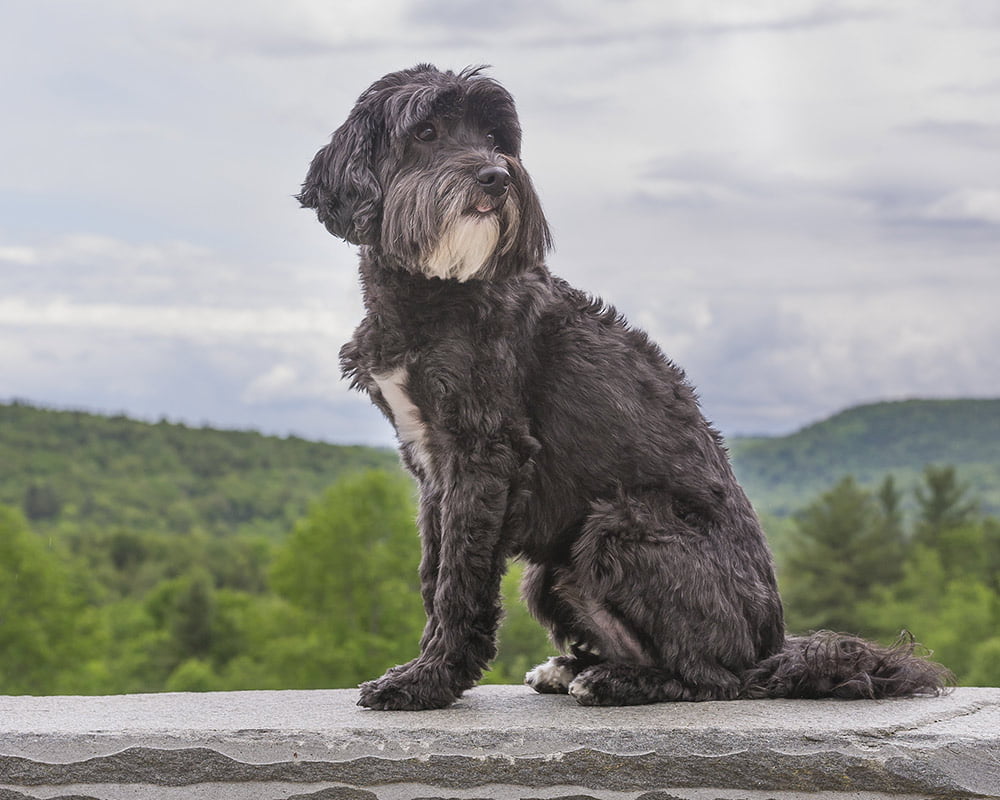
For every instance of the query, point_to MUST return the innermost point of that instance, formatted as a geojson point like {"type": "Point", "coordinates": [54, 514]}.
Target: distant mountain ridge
{"type": "Point", "coordinates": [75, 467]}
{"type": "Point", "coordinates": [783, 473]}
{"type": "Point", "coordinates": [72, 466]}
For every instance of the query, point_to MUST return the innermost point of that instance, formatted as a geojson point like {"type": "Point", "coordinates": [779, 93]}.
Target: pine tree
{"type": "Point", "coordinates": [890, 500]}
{"type": "Point", "coordinates": [944, 504]}
{"type": "Point", "coordinates": [194, 615]}
{"type": "Point", "coordinates": [845, 546]}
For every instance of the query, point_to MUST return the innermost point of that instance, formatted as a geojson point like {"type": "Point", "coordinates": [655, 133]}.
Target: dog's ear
{"type": "Point", "coordinates": [341, 184]}
{"type": "Point", "coordinates": [532, 238]}
{"type": "Point", "coordinates": [534, 233]}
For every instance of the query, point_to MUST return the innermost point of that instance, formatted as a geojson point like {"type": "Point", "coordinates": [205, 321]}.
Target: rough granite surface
{"type": "Point", "coordinates": [497, 742]}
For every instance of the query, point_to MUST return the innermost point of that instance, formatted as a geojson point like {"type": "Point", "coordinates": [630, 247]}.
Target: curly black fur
{"type": "Point", "coordinates": [827, 664]}
{"type": "Point", "coordinates": [539, 424]}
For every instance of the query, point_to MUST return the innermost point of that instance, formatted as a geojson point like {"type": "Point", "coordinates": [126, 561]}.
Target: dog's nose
{"type": "Point", "coordinates": [493, 180]}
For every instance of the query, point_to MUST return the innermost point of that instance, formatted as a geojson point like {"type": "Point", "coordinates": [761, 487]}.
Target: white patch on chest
{"type": "Point", "coordinates": [410, 428]}
{"type": "Point", "coordinates": [464, 247]}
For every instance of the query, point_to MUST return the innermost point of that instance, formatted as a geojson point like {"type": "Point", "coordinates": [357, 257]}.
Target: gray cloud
{"type": "Point", "coordinates": [958, 133]}
{"type": "Point", "coordinates": [586, 24]}
{"type": "Point", "coordinates": [798, 200]}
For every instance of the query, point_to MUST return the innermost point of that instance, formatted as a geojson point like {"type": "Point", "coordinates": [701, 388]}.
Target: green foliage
{"type": "Point", "coordinates": [846, 546]}
{"type": "Point", "coordinates": [41, 502]}
{"type": "Point", "coordinates": [42, 627]}
{"type": "Point", "coordinates": [957, 616]}
{"type": "Point", "coordinates": [351, 565]}
{"type": "Point", "coordinates": [67, 469]}
{"type": "Point", "coordinates": [782, 474]}
{"type": "Point", "coordinates": [159, 557]}
{"type": "Point", "coordinates": [943, 586]}
{"type": "Point", "coordinates": [942, 503]}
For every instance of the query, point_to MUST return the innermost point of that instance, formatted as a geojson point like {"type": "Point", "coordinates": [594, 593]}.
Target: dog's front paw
{"type": "Point", "coordinates": [415, 689]}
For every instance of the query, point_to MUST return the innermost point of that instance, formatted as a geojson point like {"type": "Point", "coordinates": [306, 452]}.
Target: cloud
{"type": "Point", "coordinates": [966, 206]}
{"type": "Point", "coordinates": [281, 381]}
{"type": "Point", "coordinates": [958, 133]}
{"type": "Point", "coordinates": [584, 24]}
{"type": "Point", "coordinates": [16, 256]}
{"type": "Point", "coordinates": [151, 377]}
{"type": "Point", "coordinates": [795, 198]}
{"type": "Point", "coordinates": [757, 363]}
{"type": "Point", "coordinates": [189, 322]}
{"type": "Point", "coordinates": [83, 270]}
{"type": "Point", "coordinates": [487, 19]}
{"type": "Point", "coordinates": [704, 179]}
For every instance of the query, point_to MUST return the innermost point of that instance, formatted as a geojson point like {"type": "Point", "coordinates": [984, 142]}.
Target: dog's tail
{"type": "Point", "coordinates": [826, 664]}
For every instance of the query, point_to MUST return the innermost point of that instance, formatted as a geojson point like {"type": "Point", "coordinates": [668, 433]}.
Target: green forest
{"type": "Point", "coordinates": [783, 473]}
{"type": "Point", "coordinates": [138, 557]}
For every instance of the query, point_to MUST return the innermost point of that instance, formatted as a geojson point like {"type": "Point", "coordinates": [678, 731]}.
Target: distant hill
{"type": "Point", "coordinates": [66, 468]}
{"type": "Point", "coordinates": [69, 467]}
{"type": "Point", "coordinates": [782, 474]}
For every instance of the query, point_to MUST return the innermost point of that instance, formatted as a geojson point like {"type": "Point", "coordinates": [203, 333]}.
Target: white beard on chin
{"type": "Point", "coordinates": [464, 247]}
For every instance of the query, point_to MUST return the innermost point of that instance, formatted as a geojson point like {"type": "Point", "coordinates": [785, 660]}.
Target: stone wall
{"type": "Point", "coordinates": [497, 742]}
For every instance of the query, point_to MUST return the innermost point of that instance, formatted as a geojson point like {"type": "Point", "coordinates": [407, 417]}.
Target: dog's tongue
{"type": "Point", "coordinates": [484, 206]}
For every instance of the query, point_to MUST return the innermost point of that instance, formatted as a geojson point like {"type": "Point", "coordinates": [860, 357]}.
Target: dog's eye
{"type": "Point", "coordinates": [426, 132]}
{"type": "Point", "coordinates": [491, 139]}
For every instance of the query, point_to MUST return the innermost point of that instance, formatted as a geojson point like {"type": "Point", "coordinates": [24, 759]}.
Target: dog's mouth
{"type": "Point", "coordinates": [485, 206]}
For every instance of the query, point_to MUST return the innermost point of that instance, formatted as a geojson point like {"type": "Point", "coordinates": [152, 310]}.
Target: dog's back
{"type": "Point", "coordinates": [639, 540]}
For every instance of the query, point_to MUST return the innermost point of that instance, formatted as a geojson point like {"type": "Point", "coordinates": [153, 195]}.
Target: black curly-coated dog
{"type": "Point", "coordinates": [540, 425]}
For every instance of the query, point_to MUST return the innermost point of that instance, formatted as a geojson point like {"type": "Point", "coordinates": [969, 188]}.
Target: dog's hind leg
{"type": "Point", "coordinates": [649, 592]}
{"type": "Point", "coordinates": [554, 675]}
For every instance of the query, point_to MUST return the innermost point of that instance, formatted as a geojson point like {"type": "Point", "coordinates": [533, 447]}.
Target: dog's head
{"type": "Point", "coordinates": [426, 173]}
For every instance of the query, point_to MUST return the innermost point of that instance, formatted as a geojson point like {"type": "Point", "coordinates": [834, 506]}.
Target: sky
{"type": "Point", "coordinates": [798, 199]}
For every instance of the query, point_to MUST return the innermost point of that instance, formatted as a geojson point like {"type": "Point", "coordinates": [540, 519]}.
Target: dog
{"type": "Point", "coordinates": [540, 425]}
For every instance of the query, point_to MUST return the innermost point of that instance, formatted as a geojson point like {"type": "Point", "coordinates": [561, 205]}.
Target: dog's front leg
{"type": "Point", "coordinates": [465, 565]}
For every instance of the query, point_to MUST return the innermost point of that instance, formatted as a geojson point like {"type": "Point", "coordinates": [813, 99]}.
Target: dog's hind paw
{"type": "Point", "coordinates": [631, 684]}
{"type": "Point", "coordinates": [552, 677]}
{"type": "Point", "coordinates": [581, 692]}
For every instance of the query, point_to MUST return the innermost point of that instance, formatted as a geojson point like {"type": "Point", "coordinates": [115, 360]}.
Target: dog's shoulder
{"type": "Point", "coordinates": [582, 316]}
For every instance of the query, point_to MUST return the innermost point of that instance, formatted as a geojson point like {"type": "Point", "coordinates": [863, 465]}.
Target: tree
{"type": "Point", "coordinates": [194, 617]}
{"type": "Point", "coordinates": [949, 593]}
{"type": "Point", "coordinates": [41, 502]}
{"type": "Point", "coordinates": [43, 630]}
{"type": "Point", "coordinates": [955, 615]}
{"type": "Point", "coordinates": [842, 549]}
{"type": "Point", "coordinates": [890, 501]}
{"type": "Point", "coordinates": [984, 666]}
{"type": "Point", "coordinates": [352, 565]}
{"type": "Point", "coordinates": [943, 504]}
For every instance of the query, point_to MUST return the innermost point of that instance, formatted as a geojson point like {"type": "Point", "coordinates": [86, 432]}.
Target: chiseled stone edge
{"type": "Point", "coordinates": [903, 771]}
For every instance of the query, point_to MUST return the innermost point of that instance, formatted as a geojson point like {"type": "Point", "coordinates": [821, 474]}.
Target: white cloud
{"type": "Point", "coordinates": [967, 205]}
{"type": "Point", "coordinates": [193, 322]}
{"type": "Point", "coordinates": [19, 256]}
{"type": "Point", "coordinates": [280, 381]}
{"type": "Point", "coordinates": [796, 198]}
